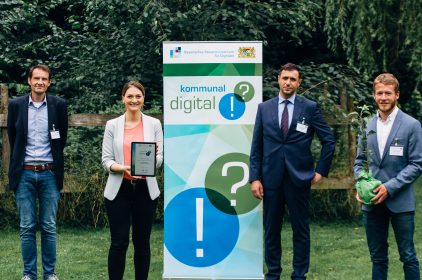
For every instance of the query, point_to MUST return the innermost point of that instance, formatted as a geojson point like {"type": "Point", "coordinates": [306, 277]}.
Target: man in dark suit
{"type": "Point", "coordinates": [37, 128]}
{"type": "Point", "coordinates": [395, 151]}
{"type": "Point", "coordinates": [282, 168]}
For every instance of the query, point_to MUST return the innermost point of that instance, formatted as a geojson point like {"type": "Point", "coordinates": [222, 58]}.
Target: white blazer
{"type": "Point", "coordinates": [113, 152]}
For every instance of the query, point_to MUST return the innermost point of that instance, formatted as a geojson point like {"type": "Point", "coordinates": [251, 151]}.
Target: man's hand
{"type": "Point", "coordinates": [317, 178]}
{"type": "Point", "coordinates": [257, 189]}
{"type": "Point", "coordinates": [358, 198]}
{"type": "Point", "coordinates": [382, 194]}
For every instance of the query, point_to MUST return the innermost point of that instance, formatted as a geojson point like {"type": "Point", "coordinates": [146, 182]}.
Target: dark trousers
{"type": "Point", "coordinates": [376, 225]}
{"type": "Point", "coordinates": [132, 206]}
{"type": "Point", "coordinates": [297, 200]}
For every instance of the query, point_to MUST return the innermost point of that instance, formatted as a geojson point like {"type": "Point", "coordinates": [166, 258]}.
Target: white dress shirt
{"type": "Point", "coordinates": [290, 108]}
{"type": "Point", "coordinates": [384, 128]}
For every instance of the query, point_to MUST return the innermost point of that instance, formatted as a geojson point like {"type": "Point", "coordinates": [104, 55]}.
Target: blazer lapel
{"type": "Point", "coordinates": [24, 105]}
{"type": "Point", "coordinates": [372, 139]}
{"type": "Point", "coordinates": [120, 131]}
{"type": "Point", "coordinates": [297, 111]}
{"type": "Point", "coordinates": [147, 129]}
{"type": "Point", "coordinates": [51, 113]}
{"type": "Point", "coordinates": [274, 116]}
{"type": "Point", "coordinates": [392, 135]}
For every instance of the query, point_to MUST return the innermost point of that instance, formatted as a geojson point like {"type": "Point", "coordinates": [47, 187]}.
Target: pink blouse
{"type": "Point", "coordinates": [135, 134]}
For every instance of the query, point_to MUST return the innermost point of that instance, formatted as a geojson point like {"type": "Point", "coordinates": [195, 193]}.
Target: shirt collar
{"type": "Point", "coordinates": [30, 101]}
{"type": "Point", "coordinates": [390, 117]}
{"type": "Point", "coordinates": [291, 99]}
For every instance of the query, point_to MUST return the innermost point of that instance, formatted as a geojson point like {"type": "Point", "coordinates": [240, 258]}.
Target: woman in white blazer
{"type": "Point", "coordinates": [130, 200]}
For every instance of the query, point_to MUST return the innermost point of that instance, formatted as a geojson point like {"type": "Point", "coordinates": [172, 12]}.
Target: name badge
{"type": "Point", "coordinates": [55, 134]}
{"type": "Point", "coordinates": [396, 151]}
{"type": "Point", "coordinates": [301, 127]}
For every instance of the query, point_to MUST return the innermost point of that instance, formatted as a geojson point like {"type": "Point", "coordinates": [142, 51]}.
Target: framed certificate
{"type": "Point", "coordinates": [143, 159]}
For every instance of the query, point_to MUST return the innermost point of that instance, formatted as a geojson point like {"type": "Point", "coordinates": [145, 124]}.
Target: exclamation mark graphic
{"type": "Point", "coordinates": [231, 106]}
{"type": "Point", "coordinates": [199, 225]}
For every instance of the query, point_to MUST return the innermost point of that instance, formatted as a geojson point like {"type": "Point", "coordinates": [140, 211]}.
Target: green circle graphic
{"type": "Point", "coordinates": [244, 91]}
{"type": "Point", "coordinates": [229, 176]}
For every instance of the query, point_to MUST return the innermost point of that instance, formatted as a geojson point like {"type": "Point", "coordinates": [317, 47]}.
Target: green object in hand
{"type": "Point", "coordinates": [365, 185]}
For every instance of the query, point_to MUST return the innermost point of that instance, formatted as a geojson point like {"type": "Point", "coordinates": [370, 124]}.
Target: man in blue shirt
{"type": "Point", "coordinates": [37, 129]}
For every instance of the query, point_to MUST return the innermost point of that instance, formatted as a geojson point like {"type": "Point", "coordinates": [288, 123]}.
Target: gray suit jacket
{"type": "Point", "coordinates": [113, 152]}
{"type": "Point", "coordinates": [397, 173]}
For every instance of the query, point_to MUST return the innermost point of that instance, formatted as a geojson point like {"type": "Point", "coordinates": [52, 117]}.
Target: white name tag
{"type": "Point", "coordinates": [302, 127]}
{"type": "Point", "coordinates": [396, 151]}
{"type": "Point", "coordinates": [55, 134]}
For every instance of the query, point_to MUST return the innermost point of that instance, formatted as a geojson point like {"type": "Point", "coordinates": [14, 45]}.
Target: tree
{"type": "Point", "coordinates": [94, 46]}
{"type": "Point", "coordinates": [380, 36]}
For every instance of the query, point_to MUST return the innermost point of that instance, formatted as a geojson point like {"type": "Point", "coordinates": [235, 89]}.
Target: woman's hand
{"type": "Point", "coordinates": [115, 167]}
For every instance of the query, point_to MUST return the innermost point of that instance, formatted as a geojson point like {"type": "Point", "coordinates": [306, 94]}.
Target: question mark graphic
{"type": "Point", "coordinates": [239, 184]}
{"type": "Point", "coordinates": [246, 86]}
{"type": "Point", "coordinates": [244, 91]}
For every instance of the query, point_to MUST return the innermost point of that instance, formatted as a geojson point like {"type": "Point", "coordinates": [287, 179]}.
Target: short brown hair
{"type": "Point", "coordinates": [136, 84]}
{"type": "Point", "coordinates": [387, 79]}
{"type": "Point", "coordinates": [290, 67]}
{"type": "Point", "coordinates": [39, 66]}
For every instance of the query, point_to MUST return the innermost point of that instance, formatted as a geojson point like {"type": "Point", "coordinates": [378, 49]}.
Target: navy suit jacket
{"type": "Point", "coordinates": [271, 154]}
{"type": "Point", "coordinates": [397, 173]}
{"type": "Point", "coordinates": [17, 129]}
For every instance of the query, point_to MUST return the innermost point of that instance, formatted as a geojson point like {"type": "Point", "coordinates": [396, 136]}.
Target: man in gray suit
{"type": "Point", "coordinates": [396, 160]}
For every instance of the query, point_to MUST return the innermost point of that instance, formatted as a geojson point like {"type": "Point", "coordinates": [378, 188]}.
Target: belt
{"type": "Point", "coordinates": [133, 182]}
{"type": "Point", "coordinates": [39, 167]}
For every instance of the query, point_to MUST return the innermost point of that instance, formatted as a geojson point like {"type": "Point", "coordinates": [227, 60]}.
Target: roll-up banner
{"type": "Point", "coordinates": [212, 223]}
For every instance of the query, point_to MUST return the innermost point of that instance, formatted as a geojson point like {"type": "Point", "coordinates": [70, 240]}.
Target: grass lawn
{"type": "Point", "coordinates": [338, 251]}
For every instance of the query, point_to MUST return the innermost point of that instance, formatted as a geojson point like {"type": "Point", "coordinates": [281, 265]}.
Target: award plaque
{"type": "Point", "coordinates": [143, 159]}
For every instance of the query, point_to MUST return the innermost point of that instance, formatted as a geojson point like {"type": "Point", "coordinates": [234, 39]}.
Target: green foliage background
{"type": "Point", "coordinates": [94, 46]}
